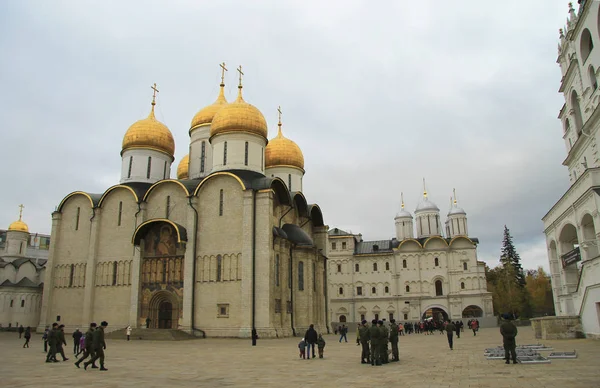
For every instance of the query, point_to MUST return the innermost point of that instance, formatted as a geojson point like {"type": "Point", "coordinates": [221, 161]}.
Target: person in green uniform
{"type": "Point", "coordinates": [99, 346]}
{"type": "Point", "coordinates": [52, 341]}
{"type": "Point", "coordinates": [321, 345]}
{"type": "Point", "coordinates": [509, 333]}
{"type": "Point", "coordinates": [61, 341]}
{"type": "Point", "coordinates": [384, 342]}
{"type": "Point", "coordinates": [89, 348]}
{"type": "Point", "coordinates": [450, 329]}
{"type": "Point", "coordinates": [374, 335]}
{"type": "Point", "coordinates": [363, 332]}
{"type": "Point", "coordinates": [394, 340]}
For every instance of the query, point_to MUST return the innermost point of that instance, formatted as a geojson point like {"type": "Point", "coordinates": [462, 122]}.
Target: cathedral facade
{"type": "Point", "coordinates": [230, 246]}
{"type": "Point", "coordinates": [410, 278]}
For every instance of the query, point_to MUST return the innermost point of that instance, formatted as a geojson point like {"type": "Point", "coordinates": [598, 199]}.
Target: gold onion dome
{"type": "Point", "coordinates": [183, 167]}
{"type": "Point", "coordinates": [239, 116]}
{"type": "Point", "coordinates": [149, 133]}
{"type": "Point", "coordinates": [206, 114]}
{"type": "Point", "coordinates": [282, 151]}
{"type": "Point", "coordinates": [19, 225]}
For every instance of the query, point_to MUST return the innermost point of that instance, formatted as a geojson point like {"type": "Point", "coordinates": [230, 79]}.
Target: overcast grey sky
{"type": "Point", "coordinates": [378, 95]}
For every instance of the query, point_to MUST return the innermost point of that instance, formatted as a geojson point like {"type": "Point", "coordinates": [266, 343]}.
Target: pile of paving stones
{"type": "Point", "coordinates": [529, 354]}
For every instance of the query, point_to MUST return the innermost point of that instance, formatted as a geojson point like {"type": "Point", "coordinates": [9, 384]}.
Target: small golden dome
{"type": "Point", "coordinates": [149, 133]}
{"type": "Point", "coordinates": [19, 225]}
{"type": "Point", "coordinates": [182, 168]}
{"type": "Point", "coordinates": [281, 151]}
{"type": "Point", "coordinates": [206, 114]}
{"type": "Point", "coordinates": [239, 116]}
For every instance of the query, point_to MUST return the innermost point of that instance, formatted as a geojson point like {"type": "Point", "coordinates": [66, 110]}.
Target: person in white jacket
{"type": "Point", "coordinates": [128, 332]}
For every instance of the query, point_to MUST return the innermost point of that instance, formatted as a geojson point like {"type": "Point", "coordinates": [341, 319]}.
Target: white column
{"type": "Point", "coordinates": [90, 270]}
{"type": "Point", "coordinates": [188, 269]}
{"type": "Point", "coordinates": [45, 315]}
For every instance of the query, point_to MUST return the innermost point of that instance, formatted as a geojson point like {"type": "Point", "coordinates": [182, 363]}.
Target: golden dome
{"type": "Point", "coordinates": [149, 133]}
{"type": "Point", "coordinates": [281, 151]}
{"type": "Point", "coordinates": [206, 114]}
{"type": "Point", "coordinates": [19, 225]}
{"type": "Point", "coordinates": [182, 168]}
{"type": "Point", "coordinates": [239, 116]}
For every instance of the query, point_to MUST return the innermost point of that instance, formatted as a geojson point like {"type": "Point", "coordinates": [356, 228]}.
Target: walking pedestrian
{"type": "Point", "coordinates": [76, 338]}
{"type": "Point", "coordinates": [45, 339]}
{"type": "Point", "coordinates": [509, 333]}
{"type": "Point", "coordinates": [343, 331]}
{"type": "Point", "coordinates": [52, 341]}
{"type": "Point", "coordinates": [311, 339]}
{"type": "Point", "coordinates": [27, 337]}
{"type": "Point", "coordinates": [88, 348]}
{"type": "Point", "coordinates": [128, 330]}
{"type": "Point", "coordinates": [321, 345]}
{"type": "Point", "coordinates": [21, 330]}
{"type": "Point", "coordinates": [450, 329]}
{"type": "Point", "coordinates": [457, 324]}
{"type": "Point", "coordinates": [99, 346]}
{"type": "Point", "coordinates": [61, 341]}
{"type": "Point", "coordinates": [475, 327]}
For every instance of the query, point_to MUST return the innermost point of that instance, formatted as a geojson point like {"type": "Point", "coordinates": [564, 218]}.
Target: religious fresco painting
{"type": "Point", "coordinates": [162, 278]}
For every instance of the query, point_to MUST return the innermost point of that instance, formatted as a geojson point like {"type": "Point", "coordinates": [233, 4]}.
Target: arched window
{"type": "Point", "coordinates": [202, 156]}
{"type": "Point", "coordinates": [387, 266]}
{"type": "Point", "coordinates": [438, 288]}
{"type": "Point", "coordinates": [290, 182]}
{"type": "Point", "coordinates": [77, 218]}
{"type": "Point", "coordinates": [386, 290]}
{"type": "Point", "coordinates": [114, 274]}
{"type": "Point", "coordinates": [374, 266]}
{"type": "Point", "coordinates": [73, 273]}
{"type": "Point", "coordinates": [225, 154]}
{"type": "Point", "coordinates": [120, 213]}
{"type": "Point", "coordinates": [301, 275]}
{"type": "Point", "coordinates": [576, 112]}
{"type": "Point", "coordinates": [437, 262]}
{"type": "Point", "coordinates": [149, 168]}
{"type": "Point", "coordinates": [462, 285]}
{"type": "Point", "coordinates": [405, 316]}
{"type": "Point", "coordinates": [219, 267]}
{"type": "Point", "coordinates": [391, 316]}
{"type": "Point", "coordinates": [362, 317]}
{"type": "Point", "coordinates": [377, 316]}
{"type": "Point", "coordinates": [407, 288]}
{"type": "Point", "coordinates": [221, 202]}
{"type": "Point", "coordinates": [373, 290]}
{"type": "Point", "coordinates": [403, 263]}
{"type": "Point", "coordinates": [277, 269]}
{"type": "Point", "coordinates": [585, 44]}
{"type": "Point", "coordinates": [339, 268]}
{"type": "Point", "coordinates": [341, 291]}
{"type": "Point", "coordinates": [356, 268]}
{"type": "Point", "coordinates": [465, 265]}
{"type": "Point", "coordinates": [129, 169]}
{"type": "Point", "coordinates": [246, 154]}
{"type": "Point", "coordinates": [592, 75]}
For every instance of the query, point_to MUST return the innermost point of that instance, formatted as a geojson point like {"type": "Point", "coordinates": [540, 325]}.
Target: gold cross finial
{"type": "Point", "coordinates": [402, 199]}
{"type": "Point", "coordinates": [279, 114]}
{"type": "Point", "coordinates": [239, 69]}
{"type": "Point", "coordinates": [223, 70]}
{"type": "Point", "coordinates": [424, 189]}
{"type": "Point", "coordinates": [454, 192]}
{"type": "Point", "coordinates": [21, 211]}
{"type": "Point", "coordinates": [154, 93]}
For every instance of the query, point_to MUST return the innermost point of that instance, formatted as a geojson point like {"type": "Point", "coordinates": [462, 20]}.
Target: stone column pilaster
{"type": "Point", "coordinates": [46, 313]}
{"type": "Point", "coordinates": [188, 269]}
{"type": "Point", "coordinates": [136, 271]}
{"type": "Point", "coordinates": [246, 282]}
{"type": "Point", "coordinates": [90, 269]}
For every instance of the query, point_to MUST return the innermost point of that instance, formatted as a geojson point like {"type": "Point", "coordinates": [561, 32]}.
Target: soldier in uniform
{"type": "Point", "coordinates": [61, 341]}
{"type": "Point", "coordinates": [384, 342]}
{"type": "Point", "coordinates": [89, 348]}
{"type": "Point", "coordinates": [374, 336]}
{"type": "Point", "coordinates": [99, 346]}
{"type": "Point", "coordinates": [52, 340]}
{"type": "Point", "coordinates": [363, 332]}
{"type": "Point", "coordinates": [394, 340]}
{"type": "Point", "coordinates": [509, 332]}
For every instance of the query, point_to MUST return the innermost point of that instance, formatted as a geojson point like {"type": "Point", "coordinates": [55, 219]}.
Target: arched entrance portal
{"type": "Point", "coordinates": [163, 310]}
{"type": "Point", "coordinates": [472, 312]}
{"type": "Point", "coordinates": [165, 315]}
{"type": "Point", "coordinates": [436, 313]}
{"type": "Point", "coordinates": [342, 318]}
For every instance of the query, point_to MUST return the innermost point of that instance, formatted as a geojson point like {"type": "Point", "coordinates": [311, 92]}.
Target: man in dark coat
{"type": "Point", "coordinates": [450, 329]}
{"type": "Point", "coordinates": [394, 340]}
{"type": "Point", "coordinates": [21, 330]}
{"type": "Point", "coordinates": [52, 341]}
{"type": "Point", "coordinates": [99, 346]}
{"type": "Point", "coordinates": [374, 336]}
{"type": "Point", "coordinates": [76, 338]}
{"type": "Point", "coordinates": [311, 339]}
{"type": "Point", "coordinates": [61, 341]}
{"type": "Point", "coordinates": [509, 333]}
{"type": "Point", "coordinates": [363, 332]}
{"type": "Point", "coordinates": [89, 347]}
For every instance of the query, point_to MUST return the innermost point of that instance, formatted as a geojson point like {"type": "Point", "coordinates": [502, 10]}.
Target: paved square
{"type": "Point", "coordinates": [426, 361]}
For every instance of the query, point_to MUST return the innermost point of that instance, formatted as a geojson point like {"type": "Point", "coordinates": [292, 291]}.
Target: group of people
{"type": "Point", "coordinates": [91, 344]}
{"type": "Point", "coordinates": [375, 339]}
{"type": "Point", "coordinates": [311, 338]}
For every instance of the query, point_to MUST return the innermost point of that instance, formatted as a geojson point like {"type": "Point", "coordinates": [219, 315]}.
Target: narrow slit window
{"type": "Point", "coordinates": [71, 274]}
{"type": "Point", "coordinates": [290, 181]}
{"type": "Point", "coordinates": [221, 202]}
{"type": "Point", "coordinates": [246, 154]}
{"type": "Point", "coordinates": [165, 171]}
{"type": "Point", "coordinates": [149, 168]}
{"type": "Point", "coordinates": [114, 273]}
{"type": "Point", "coordinates": [262, 155]}
{"type": "Point", "coordinates": [225, 154]}
{"type": "Point", "coordinates": [202, 156]}
{"type": "Point", "coordinates": [301, 275]}
{"type": "Point", "coordinates": [120, 213]}
{"type": "Point", "coordinates": [168, 206]}
{"type": "Point", "coordinates": [219, 267]}
{"type": "Point", "coordinates": [314, 276]}
{"type": "Point", "coordinates": [130, 165]}
{"type": "Point", "coordinates": [22, 302]}
{"type": "Point", "coordinates": [77, 218]}
{"type": "Point", "coordinates": [277, 269]}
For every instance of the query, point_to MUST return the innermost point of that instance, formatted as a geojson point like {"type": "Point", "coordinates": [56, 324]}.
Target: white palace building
{"type": "Point", "coordinates": [572, 225]}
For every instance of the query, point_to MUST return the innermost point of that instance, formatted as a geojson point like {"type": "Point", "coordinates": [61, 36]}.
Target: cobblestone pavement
{"type": "Point", "coordinates": [426, 361]}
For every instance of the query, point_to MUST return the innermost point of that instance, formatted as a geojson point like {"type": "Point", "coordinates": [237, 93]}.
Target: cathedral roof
{"type": "Point", "coordinates": [282, 151]}
{"type": "Point", "coordinates": [182, 168]}
{"type": "Point", "coordinates": [373, 247]}
{"type": "Point", "coordinates": [205, 115]}
{"type": "Point", "coordinates": [19, 225]}
{"type": "Point", "coordinates": [239, 116]}
{"type": "Point", "coordinates": [338, 232]}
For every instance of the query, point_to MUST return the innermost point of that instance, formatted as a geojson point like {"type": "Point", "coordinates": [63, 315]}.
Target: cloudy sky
{"type": "Point", "coordinates": [378, 95]}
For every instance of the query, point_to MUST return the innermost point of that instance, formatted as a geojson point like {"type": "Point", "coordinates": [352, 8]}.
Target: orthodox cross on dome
{"type": "Point", "coordinates": [223, 70]}
{"type": "Point", "coordinates": [402, 200]}
{"type": "Point", "coordinates": [279, 114]}
{"type": "Point", "coordinates": [21, 211]}
{"type": "Point", "coordinates": [153, 87]}
{"type": "Point", "coordinates": [424, 189]}
{"type": "Point", "coordinates": [454, 192]}
{"type": "Point", "coordinates": [239, 69]}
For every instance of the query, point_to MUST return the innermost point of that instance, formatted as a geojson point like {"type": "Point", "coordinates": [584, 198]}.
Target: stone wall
{"type": "Point", "coordinates": [565, 327]}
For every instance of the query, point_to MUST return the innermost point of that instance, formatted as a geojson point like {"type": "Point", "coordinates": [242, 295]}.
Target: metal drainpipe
{"type": "Point", "coordinates": [292, 291]}
{"type": "Point", "coordinates": [254, 333]}
{"type": "Point", "coordinates": [194, 269]}
{"type": "Point", "coordinates": [325, 285]}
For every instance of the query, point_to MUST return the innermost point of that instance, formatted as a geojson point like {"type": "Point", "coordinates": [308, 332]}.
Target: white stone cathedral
{"type": "Point", "coordinates": [410, 277]}
{"type": "Point", "coordinates": [572, 225]}
{"type": "Point", "coordinates": [229, 246]}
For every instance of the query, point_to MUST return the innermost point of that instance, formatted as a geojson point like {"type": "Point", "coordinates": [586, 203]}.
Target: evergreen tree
{"type": "Point", "coordinates": [510, 256]}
